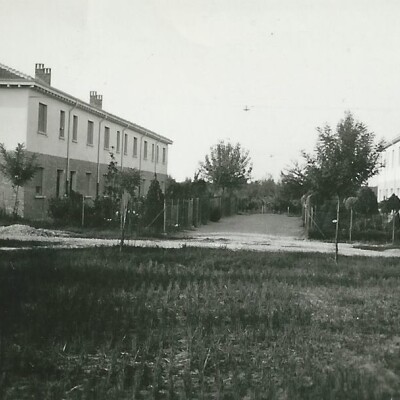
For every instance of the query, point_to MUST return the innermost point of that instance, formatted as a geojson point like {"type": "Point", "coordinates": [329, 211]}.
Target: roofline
{"type": "Point", "coordinates": [392, 142]}
{"type": "Point", "coordinates": [28, 81]}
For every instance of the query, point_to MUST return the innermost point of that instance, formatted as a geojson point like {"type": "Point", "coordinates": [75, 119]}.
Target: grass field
{"type": "Point", "coordinates": [197, 323]}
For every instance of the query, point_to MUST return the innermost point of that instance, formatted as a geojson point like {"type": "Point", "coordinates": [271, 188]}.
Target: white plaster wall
{"type": "Point", "coordinates": [51, 143]}
{"type": "Point", "coordinates": [13, 116]}
{"type": "Point", "coordinates": [388, 179]}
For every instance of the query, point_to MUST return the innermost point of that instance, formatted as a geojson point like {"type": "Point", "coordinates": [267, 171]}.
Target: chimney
{"type": "Point", "coordinates": [96, 100]}
{"type": "Point", "coordinates": [43, 74]}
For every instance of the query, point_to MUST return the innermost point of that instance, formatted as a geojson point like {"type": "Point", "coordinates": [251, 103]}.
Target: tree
{"type": "Point", "coordinates": [367, 203]}
{"type": "Point", "coordinates": [18, 168]}
{"type": "Point", "coordinates": [392, 204]}
{"type": "Point", "coordinates": [117, 181]}
{"type": "Point", "coordinates": [295, 182]}
{"type": "Point", "coordinates": [227, 166]}
{"type": "Point", "coordinates": [343, 161]}
{"type": "Point", "coordinates": [154, 206]}
{"type": "Point", "coordinates": [350, 203]}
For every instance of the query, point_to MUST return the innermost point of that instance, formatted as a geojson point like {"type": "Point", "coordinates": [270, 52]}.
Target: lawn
{"type": "Point", "coordinates": [197, 323]}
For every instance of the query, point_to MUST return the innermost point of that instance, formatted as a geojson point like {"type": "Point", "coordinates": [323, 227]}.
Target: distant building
{"type": "Point", "coordinates": [387, 181]}
{"type": "Point", "coordinates": [72, 139]}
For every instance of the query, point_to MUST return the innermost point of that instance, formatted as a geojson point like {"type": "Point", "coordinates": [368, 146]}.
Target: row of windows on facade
{"type": "Point", "coordinates": [87, 189]}
{"type": "Point", "coordinates": [390, 158]}
{"type": "Point", "coordinates": [386, 193]}
{"type": "Point", "coordinates": [42, 128]}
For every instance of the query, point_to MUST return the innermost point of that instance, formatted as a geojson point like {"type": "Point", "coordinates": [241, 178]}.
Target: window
{"type": "Point", "coordinates": [39, 182]}
{"type": "Point", "coordinates": [75, 128]}
{"type": "Point", "coordinates": [59, 182]}
{"type": "Point", "coordinates": [126, 143]}
{"type": "Point", "coordinates": [152, 152]}
{"type": "Point", "coordinates": [118, 141]}
{"type": "Point", "coordinates": [42, 121]}
{"type": "Point", "coordinates": [62, 125]}
{"type": "Point", "coordinates": [88, 183]}
{"type": "Point", "coordinates": [135, 147]}
{"type": "Point", "coordinates": [145, 150]}
{"type": "Point", "coordinates": [106, 137]}
{"type": "Point", "coordinates": [90, 126]}
{"type": "Point", "coordinates": [72, 181]}
{"type": "Point", "coordinates": [157, 154]}
{"type": "Point", "coordinates": [164, 155]}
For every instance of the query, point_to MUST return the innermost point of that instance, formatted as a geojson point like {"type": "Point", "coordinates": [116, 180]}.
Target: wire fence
{"type": "Point", "coordinates": [177, 214]}
{"type": "Point", "coordinates": [320, 223]}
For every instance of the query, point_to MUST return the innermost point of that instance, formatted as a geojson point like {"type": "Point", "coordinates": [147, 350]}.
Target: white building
{"type": "Point", "coordinates": [387, 181]}
{"type": "Point", "coordinates": [72, 139]}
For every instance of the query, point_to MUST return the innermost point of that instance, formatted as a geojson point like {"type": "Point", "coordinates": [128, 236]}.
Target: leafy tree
{"type": "Point", "coordinates": [295, 182]}
{"type": "Point", "coordinates": [18, 168]}
{"type": "Point", "coordinates": [227, 166]}
{"type": "Point", "coordinates": [344, 159]}
{"type": "Point", "coordinates": [367, 203]}
{"type": "Point", "coordinates": [392, 204]}
{"type": "Point", "coordinates": [350, 204]}
{"type": "Point", "coordinates": [117, 181]}
{"type": "Point", "coordinates": [186, 189]}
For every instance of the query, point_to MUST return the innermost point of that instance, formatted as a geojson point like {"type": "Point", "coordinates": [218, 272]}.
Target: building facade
{"type": "Point", "coordinates": [387, 181]}
{"type": "Point", "coordinates": [72, 140]}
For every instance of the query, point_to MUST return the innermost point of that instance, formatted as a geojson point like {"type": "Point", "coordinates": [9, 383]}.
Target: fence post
{"type": "Point", "coordinates": [83, 211]}
{"type": "Point", "coordinates": [165, 216]}
{"type": "Point", "coordinates": [198, 211]}
{"type": "Point", "coordinates": [177, 214]}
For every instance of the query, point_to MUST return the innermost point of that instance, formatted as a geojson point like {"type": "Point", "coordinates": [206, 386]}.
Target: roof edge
{"type": "Point", "coordinates": [30, 81]}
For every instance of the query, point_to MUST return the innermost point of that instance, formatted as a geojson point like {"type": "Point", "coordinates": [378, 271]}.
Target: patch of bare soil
{"type": "Point", "coordinates": [17, 230]}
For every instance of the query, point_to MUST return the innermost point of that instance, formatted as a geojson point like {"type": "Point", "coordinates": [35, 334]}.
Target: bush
{"type": "Point", "coordinates": [154, 206]}
{"type": "Point", "coordinates": [103, 212]}
{"type": "Point", "coordinates": [215, 214]}
{"type": "Point", "coordinates": [66, 210]}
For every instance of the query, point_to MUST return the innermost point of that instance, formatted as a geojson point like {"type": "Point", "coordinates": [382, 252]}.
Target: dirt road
{"type": "Point", "coordinates": [264, 224]}
{"type": "Point", "coordinates": [256, 232]}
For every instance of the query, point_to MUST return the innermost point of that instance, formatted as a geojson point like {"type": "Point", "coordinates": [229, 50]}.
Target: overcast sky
{"type": "Point", "coordinates": [187, 68]}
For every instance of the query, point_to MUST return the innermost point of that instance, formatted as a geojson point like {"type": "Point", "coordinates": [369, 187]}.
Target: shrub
{"type": "Point", "coordinates": [215, 214]}
{"type": "Point", "coordinates": [103, 212]}
{"type": "Point", "coordinates": [154, 206]}
{"type": "Point", "coordinates": [66, 210]}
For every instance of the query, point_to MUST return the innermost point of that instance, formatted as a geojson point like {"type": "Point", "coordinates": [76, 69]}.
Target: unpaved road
{"type": "Point", "coordinates": [256, 232]}
{"type": "Point", "coordinates": [262, 224]}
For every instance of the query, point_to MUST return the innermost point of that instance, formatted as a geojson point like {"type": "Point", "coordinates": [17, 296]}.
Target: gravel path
{"type": "Point", "coordinates": [206, 237]}
{"type": "Point", "coordinates": [264, 224]}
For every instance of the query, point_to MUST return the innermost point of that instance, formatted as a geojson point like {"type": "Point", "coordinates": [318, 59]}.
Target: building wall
{"type": "Point", "coordinates": [52, 144]}
{"type": "Point", "coordinates": [19, 117]}
{"type": "Point", "coordinates": [13, 116]}
{"type": "Point", "coordinates": [44, 185]}
{"type": "Point", "coordinates": [388, 179]}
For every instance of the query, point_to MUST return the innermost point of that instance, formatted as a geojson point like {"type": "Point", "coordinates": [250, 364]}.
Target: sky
{"type": "Point", "coordinates": [186, 69]}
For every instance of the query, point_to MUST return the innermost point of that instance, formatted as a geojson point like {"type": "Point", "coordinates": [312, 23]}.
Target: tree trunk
{"type": "Point", "coordinates": [393, 225]}
{"type": "Point", "coordinates": [351, 224]}
{"type": "Point", "coordinates": [337, 231]}
{"type": "Point", "coordinates": [16, 204]}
